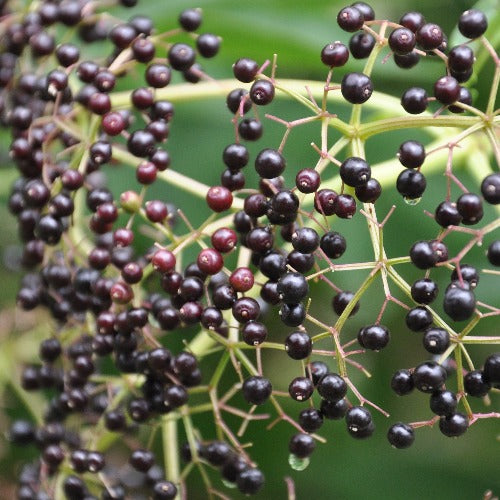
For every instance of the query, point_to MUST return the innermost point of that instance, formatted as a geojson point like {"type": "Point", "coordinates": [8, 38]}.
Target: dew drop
{"type": "Point", "coordinates": [297, 463]}
{"type": "Point", "coordinates": [412, 201]}
{"type": "Point", "coordinates": [228, 484]}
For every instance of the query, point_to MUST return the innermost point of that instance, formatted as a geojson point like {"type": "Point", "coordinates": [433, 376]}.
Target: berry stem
{"type": "Point", "coordinates": [171, 449]}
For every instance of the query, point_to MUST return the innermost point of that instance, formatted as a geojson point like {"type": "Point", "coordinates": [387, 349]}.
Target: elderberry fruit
{"type": "Point", "coordinates": [293, 288]}
{"type": "Point", "coordinates": [411, 184]}
{"type": "Point", "coordinates": [401, 435]}
{"type": "Point", "coordinates": [402, 382]}
{"type": "Point", "coordinates": [454, 425]}
{"type": "Point", "coordinates": [418, 319]}
{"type": "Point", "coordinates": [429, 376]}
{"type": "Point", "coordinates": [355, 171]}
{"type": "Point", "coordinates": [332, 387]}
{"type": "Point", "coordinates": [430, 36]}
{"type": "Point", "coordinates": [361, 44]}
{"type": "Point", "coordinates": [493, 253]}
{"type": "Point", "coordinates": [298, 345]}
{"type": "Point", "coordinates": [424, 291]}
{"type": "Point", "coordinates": [472, 23]}
{"type": "Point", "coordinates": [301, 445]}
{"type": "Point", "coordinates": [262, 92]}
{"type": "Point", "coordinates": [411, 154]}
{"type": "Point", "coordinates": [341, 300]}
{"type": "Point", "coordinates": [436, 340]}
{"type": "Point", "coordinates": [459, 303]}
{"type": "Point", "coordinates": [310, 419]}
{"type": "Point", "coordinates": [245, 69]}
{"type": "Point", "coordinates": [356, 88]}
{"type": "Point", "coordinates": [402, 41]}
{"type": "Point", "coordinates": [492, 369]}
{"type": "Point", "coordinates": [374, 337]}
{"type": "Point", "coordinates": [490, 188]}
{"type": "Point", "coordinates": [250, 481]}
{"type": "Point", "coordinates": [301, 388]}
{"type": "Point", "coordinates": [423, 255]}
{"type": "Point", "coordinates": [475, 384]}
{"type": "Point", "coordinates": [414, 100]}
{"type": "Point", "coordinates": [359, 422]}
{"type": "Point", "coordinates": [256, 390]}
{"type": "Point", "coordinates": [443, 402]}
{"type": "Point", "coordinates": [334, 54]}
{"type": "Point", "coordinates": [446, 90]}
{"type": "Point", "coordinates": [350, 19]}
{"type": "Point", "coordinates": [468, 273]}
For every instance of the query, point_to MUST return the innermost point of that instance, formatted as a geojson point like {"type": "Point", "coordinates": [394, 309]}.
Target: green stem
{"type": "Point", "coordinates": [171, 449]}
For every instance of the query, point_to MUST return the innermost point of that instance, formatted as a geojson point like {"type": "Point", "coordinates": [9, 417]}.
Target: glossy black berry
{"type": "Point", "coordinates": [411, 184]}
{"type": "Point", "coordinates": [359, 422]}
{"type": "Point", "coordinates": [350, 19]}
{"type": "Point", "coordinates": [424, 291]}
{"type": "Point", "coordinates": [164, 490]}
{"type": "Point", "coordinates": [459, 303]}
{"type": "Point", "coordinates": [181, 56]}
{"type": "Point", "coordinates": [411, 154]}
{"type": "Point", "coordinates": [430, 36]}
{"type": "Point", "coordinates": [401, 435]}
{"type": "Point", "coordinates": [414, 100]}
{"type": "Point", "coordinates": [256, 390]}
{"type": "Point", "coordinates": [407, 61]}
{"type": "Point", "coordinates": [341, 300]}
{"type": "Point", "coordinates": [468, 273]}
{"type": "Point", "coordinates": [472, 23]}
{"type": "Point", "coordinates": [356, 88]}
{"type": "Point", "coordinates": [374, 337]}
{"type": "Point", "coordinates": [446, 90]}
{"type": "Point", "coordinates": [334, 54]}
{"type": "Point", "coordinates": [402, 382]}
{"type": "Point", "coordinates": [333, 244]}
{"type": "Point", "coordinates": [355, 171]}
{"type": "Point", "coordinates": [333, 410]}
{"type": "Point", "coordinates": [443, 402]}
{"type": "Point", "coordinates": [270, 163]}
{"type": "Point", "coordinates": [292, 314]}
{"type": "Point", "coordinates": [470, 207]}
{"type": "Point", "coordinates": [262, 92]}
{"type": "Point", "coordinates": [475, 384]}
{"type": "Point", "coordinates": [332, 387]}
{"type": "Point", "coordinates": [454, 425]}
{"type": "Point", "coordinates": [293, 288]}
{"type": "Point", "coordinates": [250, 481]}
{"type": "Point", "coordinates": [310, 419]}
{"type": "Point", "coordinates": [436, 340]}
{"type": "Point", "coordinates": [208, 44]}
{"type": "Point", "coordinates": [446, 214]}
{"type": "Point", "coordinates": [493, 253]}
{"type": "Point", "coordinates": [250, 129]}
{"type": "Point", "coordinates": [369, 192]}
{"type": "Point", "coordinates": [418, 319]}
{"type": "Point", "coordinates": [423, 255]}
{"type": "Point", "coordinates": [190, 19]}
{"type": "Point", "coordinates": [429, 376]}
{"type": "Point", "coordinates": [402, 41]}
{"type": "Point", "coordinates": [490, 188]}
{"type": "Point", "coordinates": [301, 445]}
{"type": "Point", "coordinates": [305, 240]}
{"type": "Point", "coordinates": [491, 369]}
{"type": "Point", "coordinates": [301, 388]}
{"type": "Point", "coordinates": [298, 345]}
{"type": "Point", "coordinates": [412, 20]}
{"type": "Point", "coordinates": [361, 44]}
{"type": "Point", "coordinates": [245, 69]}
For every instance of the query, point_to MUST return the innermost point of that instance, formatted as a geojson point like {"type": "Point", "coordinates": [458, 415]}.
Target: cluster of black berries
{"type": "Point", "coordinates": [43, 111]}
{"type": "Point", "coordinates": [430, 378]}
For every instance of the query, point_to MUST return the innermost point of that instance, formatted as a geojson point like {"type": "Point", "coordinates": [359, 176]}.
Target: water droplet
{"type": "Point", "coordinates": [297, 463]}
{"type": "Point", "coordinates": [412, 201]}
{"type": "Point", "coordinates": [228, 484]}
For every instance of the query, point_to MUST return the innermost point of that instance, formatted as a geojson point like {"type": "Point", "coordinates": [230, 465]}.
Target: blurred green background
{"type": "Point", "coordinates": [435, 467]}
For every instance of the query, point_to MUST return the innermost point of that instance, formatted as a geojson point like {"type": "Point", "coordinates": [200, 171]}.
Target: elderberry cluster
{"type": "Point", "coordinates": [130, 325]}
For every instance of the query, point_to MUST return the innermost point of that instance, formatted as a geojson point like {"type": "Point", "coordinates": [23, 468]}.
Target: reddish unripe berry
{"type": "Point", "coordinates": [146, 172]}
{"type": "Point", "coordinates": [121, 293]}
{"type": "Point", "coordinates": [123, 237]}
{"type": "Point", "coordinates": [241, 279]}
{"type": "Point", "coordinates": [156, 211]}
{"type": "Point", "coordinates": [224, 239]}
{"type": "Point", "coordinates": [219, 198]}
{"type": "Point", "coordinates": [163, 261]}
{"type": "Point", "coordinates": [210, 261]}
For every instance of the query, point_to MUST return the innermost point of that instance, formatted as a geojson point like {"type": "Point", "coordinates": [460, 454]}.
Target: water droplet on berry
{"type": "Point", "coordinates": [297, 463]}
{"type": "Point", "coordinates": [411, 201]}
{"type": "Point", "coordinates": [228, 484]}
